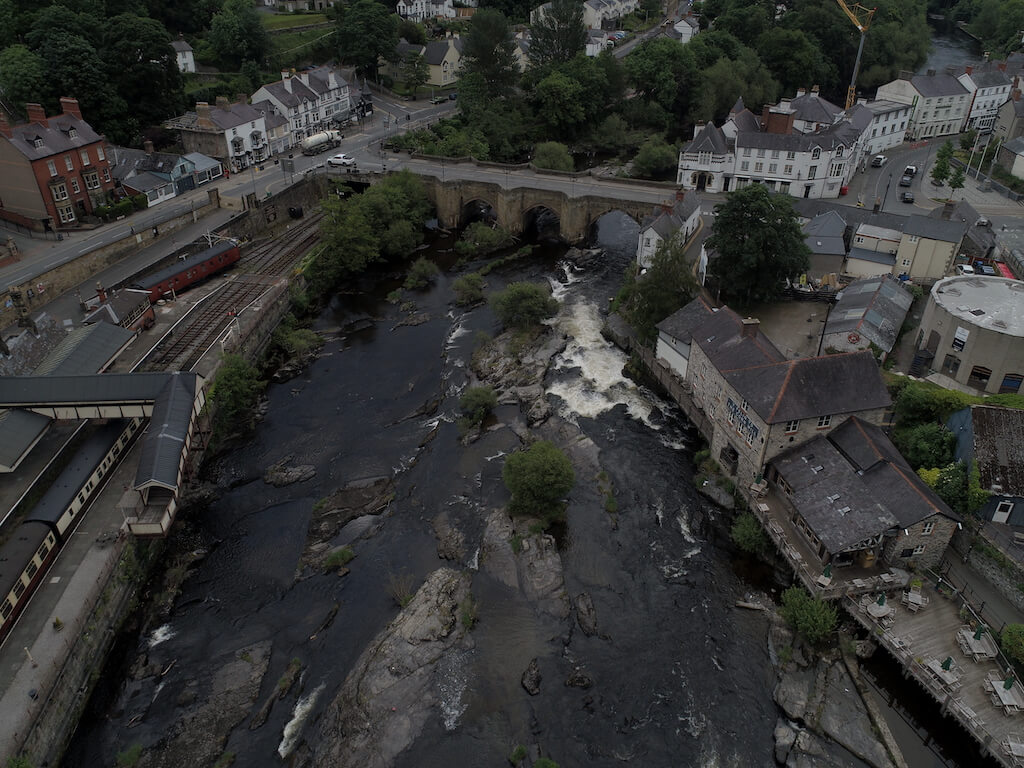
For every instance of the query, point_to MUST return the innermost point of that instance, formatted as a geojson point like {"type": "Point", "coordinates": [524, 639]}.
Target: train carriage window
{"type": "Point", "coordinates": [81, 498]}
{"type": "Point", "coordinates": [31, 570]}
{"type": "Point", "coordinates": [6, 610]}
{"type": "Point", "coordinates": [44, 550]}
{"type": "Point", "coordinates": [19, 589]}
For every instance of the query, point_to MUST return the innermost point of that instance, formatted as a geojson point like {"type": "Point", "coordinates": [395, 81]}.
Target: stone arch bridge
{"type": "Point", "coordinates": [576, 212]}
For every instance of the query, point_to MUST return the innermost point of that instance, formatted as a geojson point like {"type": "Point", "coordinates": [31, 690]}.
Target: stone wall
{"type": "Point", "coordinates": [934, 543]}
{"type": "Point", "coordinates": [1004, 574]}
{"type": "Point", "coordinates": [271, 211]}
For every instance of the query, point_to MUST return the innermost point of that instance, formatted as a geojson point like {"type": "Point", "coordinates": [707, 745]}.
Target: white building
{"type": "Point", "coordinates": [888, 125]}
{"type": "Point", "coordinates": [233, 133]}
{"type": "Point", "coordinates": [939, 103]}
{"type": "Point", "coordinates": [422, 10]}
{"type": "Point", "coordinates": [686, 29]}
{"type": "Point", "coordinates": [597, 42]}
{"type": "Point", "coordinates": [183, 55]}
{"type": "Point", "coordinates": [664, 223]}
{"type": "Point", "coordinates": [312, 101]}
{"type": "Point", "coordinates": [990, 87]}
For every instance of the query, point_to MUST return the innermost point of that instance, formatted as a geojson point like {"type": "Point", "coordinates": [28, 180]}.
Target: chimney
{"type": "Point", "coordinates": [680, 195]}
{"type": "Point", "coordinates": [148, 146]}
{"type": "Point", "coordinates": [1016, 94]}
{"type": "Point", "coordinates": [801, 92]}
{"type": "Point", "coordinates": [203, 115]}
{"type": "Point", "coordinates": [223, 103]}
{"type": "Point", "coordinates": [951, 70]}
{"type": "Point", "coordinates": [969, 69]}
{"type": "Point", "coordinates": [5, 127]}
{"type": "Point", "coordinates": [101, 293]}
{"type": "Point", "coordinates": [1001, 66]}
{"type": "Point", "coordinates": [750, 328]}
{"type": "Point", "coordinates": [69, 106]}
{"type": "Point", "coordinates": [241, 98]}
{"type": "Point", "coordinates": [36, 114]}
{"type": "Point", "coordinates": [815, 91]}
{"type": "Point", "coordinates": [666, 208]}
{"type": "Point", "coordinates": [947, 210]}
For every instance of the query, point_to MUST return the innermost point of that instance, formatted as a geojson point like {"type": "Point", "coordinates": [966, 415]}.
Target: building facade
{"type": "Point", "coordinates": [53, 170]}
{"type": "Point", "coordinates": [311, 101]}
{"type": "Point", "coordinates": [888, 126]}
{"type": "Point", "coordinates": [972, 334]}
{"type": "Point", "coordinates": [939, 103]}
{"type": "Point", "coordinates": [235, 134]}
{"type": "Point", "coordinates": [666, 222]}
{"type": "Point", "coordinates": [1009, 123]}
{"type": "Point", "coordinates": [927, 248]}
{"type": "Point", "coordinates": [989, 86]}
{"type": "Point", "coordinates": [183, 55]}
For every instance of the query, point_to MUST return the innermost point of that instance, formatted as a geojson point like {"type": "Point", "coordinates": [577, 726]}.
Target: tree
{"type": "Point", "coordinates": [559, 33]}
{"type": "Point", "coordinates": [523, 305]}
{"type": "Point", "coordinates": [662, 71]}
{"type": "Point", "coordinates": [956, 180]}
{"type": "Point", "coordinates": [757, 244]}
{"type": "Point", "coordinates": [234, 392]}
{"type": "Point", "coordinates": [237, 34]}
{"type": "Point", "coordinates": [667, 285]}
{"type": "Point", "coordinates": [367, 33]}
{"type": "Point", "coordinates": [941, 169]}
{"type": "Point", "coordinates": [538, 479]}
{"type": "Point", "coordinates": [22, 78]}
{"type": "Point", "coordinates": [469, 289]}
{"type": "Point", "coordinates": [747, 534]}
{"type": "Point", "coordinates": [926, 445]}
{"type": "Point", "coordinates": [795, 60]}
{"type": "Point", "coordinates": [477, 403]}
{"type": "Point", "coordinates": [412, 32]}
{"type": "Point", "coordinates": [814, 620]}
{"type": "Point", "coordinates": [656, 159]}
{"type": "Point", "coordinates": [951, 487]}
{"type": "Point", "coordinates": [553, 155]}
{"type": "Point", "coordinates": [415, 72]}
{"type": "Point", "coordinates": [488, 51]}
{"type": "Point", "coordinates": [1012, 643]}
{"type": "Point", "coordinates": [559, 102]}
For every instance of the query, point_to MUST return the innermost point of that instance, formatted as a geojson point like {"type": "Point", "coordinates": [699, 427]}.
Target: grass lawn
{"type": "Point", "coordinates": [294, 45]}
{"type": "Point", "coordinates": [285, 20]}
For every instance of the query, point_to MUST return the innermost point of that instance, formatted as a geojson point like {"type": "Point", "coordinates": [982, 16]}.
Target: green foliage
{"type": "Point", "coordinates": [468, 612]}
{"type": "Point", "coordinates": [748, 535]}
{"type": "Point", "coordinates": [469, 289]}
{"type": "Point", "coordinates": [921, 403]}
{"type": "Point", "coordinates": [940, 170]}
{"type": "Point", "coordinates": [523, 305]}
{"type": "Point", "coordinates": [756, 243]}
{"type": "Point", "coordinates": [415, 72]}
{"type": "Point", "coordinates": [553, 155]}
{"type": "Point", "coordinates": [957, 179]}
{"type": "Point", "coordinates": [560, 103]}
{"type": "Point", "coordinates": [925, 445]}
{"type": "Point", "coordinates": [1012, 643]}
{"type": "Point", "coordinates": [518, 755]}
{"type": "Point", "coordinates": [233, 394]}
{"type": "Point", "coordinates": [477, 403]}
{"type": "Point", "coordinates": [976, 495]}
{"type": "Point", "coordinates": [667, 285]}
{"type": "Point", "coordinates": [558, 35]}
{"type": "Point", "coordinates": [339, 558]}
{"type": "Point", "coordinates": [422, 273]}
{"type": "Point", "coordinates": [225, 761]}
{"type": "Point", "coordinates": [129, 757]}
{"type": "Point", "coordinates": [20, 761]}
{"type": "Point", "coordinates": [367, 32]}
{"type": "Point", "coordinates": [516, 543]}
{"type": "Point", "coordinates": [951, 486]}
{"type": "Point", "coordinates": [488, 53]}
{"type": "Point", "coordinates": [656, 160]}
{"type": "Point", "coordinates": [412, 31]}
{"type": "Point", "coordinates": [22, 76]}
{"type": "Point", "coordinates": [544, 762]}
{"type": "Point", "coordinates": [400, 587]}
{"type": "Point", "coordinates": [237, 34]}
{"type": "Point", "coordinates": [813, 619]}
{"type": "Point", "coordinates": [538, 479]}
{"type": "Point", "coordinates": [480, 238]}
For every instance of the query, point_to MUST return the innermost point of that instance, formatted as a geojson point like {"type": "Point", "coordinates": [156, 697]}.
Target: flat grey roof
{"type": "Point", "coordinates": [994, 303]}
{"type": "Point", "coordinates": [19, 431]}
{"type": "Point", "coordinates": [100, 389]}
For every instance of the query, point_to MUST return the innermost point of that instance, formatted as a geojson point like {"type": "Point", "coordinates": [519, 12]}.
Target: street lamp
{"type": "Point", "coordinates": [977, 138]}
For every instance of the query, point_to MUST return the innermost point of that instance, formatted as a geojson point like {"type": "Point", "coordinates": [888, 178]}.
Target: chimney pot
{"type": "Point", "coordinates": [148, 146]}
{"type": "Point", "coordinates": [969, 69]}
{"type": "Point", "coordinates": [750, 328]}
{"type": "Point", "coordinates": [36, 114]}
{"type": "Point", "coordinates": [222, 102]}
{"type": "Point", "coordinates": [1001, 66]}
{"type": "Point", "coordinates": [815, 90]}
{"type": "Point", "coordinates": [69, 106]}
{"type": "Point", "coordinates": [101, 293]}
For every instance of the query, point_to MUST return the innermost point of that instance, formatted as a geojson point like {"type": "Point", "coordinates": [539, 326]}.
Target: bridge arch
{"type": "Point", "coordinates": [478, 209]}
{"type": "Point", "coordinates": [543, 220]}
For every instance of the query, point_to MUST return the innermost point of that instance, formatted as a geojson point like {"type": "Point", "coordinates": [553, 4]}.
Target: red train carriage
{"type": "Point", "coordinates": [180, 276]}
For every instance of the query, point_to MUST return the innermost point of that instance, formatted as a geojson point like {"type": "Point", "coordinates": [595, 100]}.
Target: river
{"type": "Point", "coordinates": [681, 676]}
{"type": "Point", "coordinates": [951, 48]}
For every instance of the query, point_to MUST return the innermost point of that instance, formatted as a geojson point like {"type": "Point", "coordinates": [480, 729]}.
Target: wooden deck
{"type": "Point", "coordinates": [914, 639]}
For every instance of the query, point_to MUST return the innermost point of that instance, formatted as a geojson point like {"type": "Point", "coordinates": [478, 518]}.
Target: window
{"type": "Point", "coordinates": [746, 151]}
{"type": "Point", "coordinates": [59, 192]}
{"type": "Point", "coordinates": [84, 154]}
{"type": "Point", "coordinates": [72, 133]}
{"type": "Point", "coordinates": [74, 186]}
{"type": "Point", "coordinates": [951, 365]}
{"type": "Point", "coordinates": [760, 153]}
{"type": "Point", "coordinates": [788, 170]}
{"type": "Point", "coordinates": [99, 153]}
{"type": "Point", "coordinates": [815, 153]}
{"type": "Point", "coordinates": [792, 426]}
{"type": "Point", "coordinates": [824, 421]}
{"type": "Point", "coordinates": [812, 172]}
{"type": "Point", "coordinates": [19, 589]}
{"type": "Point", "coordinates": [775, 154]}
{"type": "Point", "coordinates": [66, 213]}
{"type": "Point", "coordinates": [51, 167]}
{"type": "Point", "coordinates": [1011, 384]}
{"type": "Point", "coordinates": [1004, 508]}
{"type": "Point", "coordinates": [106, 174]}
{"type": "Point", "coordinates": [791, 155]}
{"type": "Point", "coordinates": [979, 377]}
{"type": "Point", "coordinates": [905, 553]}
{"type": "Point", "coordinates": [919, 549]}
{"type": "Point", "coordinates": [928, 528]}
{"type": "Point", "coordinates": [906, 262]}
{"type": "Point", "coordinates": [758, 167]}
{"type": "Point", "coordinates": [92, 180]}
{"type": "Point", "coordinates": [6, 610]}
{"type": "Point", "coordinates": [31, 570]}
{"type": "Point", "coordinates": [836, 169]}
{"type": "Point", "coordinates": [839, 151]}
{"type": "Point", "coordinates": [784, 187]}
{"type": "Point", "coordinates": [37, 143]}
{"type": "Point", "coordinates": [745, 165]}
{"type": "Point", "coordinates": [773, 168]}
{"type": "Point", "coordinates": [69, 163]}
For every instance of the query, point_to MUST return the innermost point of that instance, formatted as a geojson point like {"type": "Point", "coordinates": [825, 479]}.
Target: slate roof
{"type": "Point", "coordinates": [270, 116]}
{"type": "Point", "coordinates": [998, 437]}
{"type": "Point", "coordinates": [853, 484]}
{"type": "Point", "coordinates": [937, 85]}
{"type": "Point", "coordinates": [962, 211]}
{"type": "Point", "coordinates": [809, 208]}
{"type": "Point", "coordinates": [1015, 145]}
{"type": "Point", "coordinates": [117, 306]}
{"type": "Point", "coordinates": [708, 139]}
{"type": "Point", "coordinates": [882, 106]}
{"type": "Point", "coordinates": [721, 340]}
{"type": "Point", "coordinates": [437, 50]}
{"type": "Point", "coordinates": [144, 182]}
{"type": "Point", "coordinates": [17, 551]}
{"type": "Point", "coordinates": [85, 350]}
{"type": "Point", "coordinates": [681, 323]}
{"type": "Point", "coordinates": [875, 308]}
{"type": "Point", "coordinates": [19, 431]}
{"type": "Point", "coordinates": [201, 161]}
{"type": "Point", "coordinates": [665, 223]}
{"type": "Point", "coordinates": [318, 84]}
{"type": "Point", "coordinates": [878, 257]}
{"type": "Point", "coordinates": [812, 108]}
{"type": "Point", "coordinates": [56, 137]}
{"type": "Point", "coordinates": [28, 391]}
{"type": "Point", "coordinates": [935, 229]}
{"type": "Point", "coordinates": [824, 234]}
{"type": "Point", "coordinates": [990, 77]}
{"type": "Point", "coordinates": [180, 45]}
{"type": "Point", "coordinates": [168, 430]}
{"type": "Point", "coordinates": [234, 116]}
{"type": "Point", "coordinates": [125, 161]}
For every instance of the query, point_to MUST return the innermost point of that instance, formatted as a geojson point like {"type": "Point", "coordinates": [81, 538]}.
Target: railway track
{"type": "Point", "coordinates": [278, 256]}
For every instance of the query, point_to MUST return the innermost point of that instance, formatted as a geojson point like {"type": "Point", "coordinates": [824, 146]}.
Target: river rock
{"type": "Point", "coordinates": [496, 555]}
{"type": "Point", "coordinates": [393, 689]}
{"type": "Point", "coordinates": [540, 575]}
{"type": "Point", "coordinates": [451, 543]}
{"type": "Point", "coordinates": [785, 737]}
{"type": "Point", "coordinates": [586, 616]}
{"type": "Point", "coordinates": [844, 718]}
{"type": "Point", "coordinates": [531, 678]}
{"type": "Point", "coordinates": [578, 678]}
{"type": "Point", "coordinates": [280, 474]}
{"type": "Point", "coordinates": [200, 733]}
{"type": "Point", "coordinates": [794, 690]}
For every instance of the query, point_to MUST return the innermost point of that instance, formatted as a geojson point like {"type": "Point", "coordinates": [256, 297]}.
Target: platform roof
{"type": "Point", "coordinates": [168, 434]}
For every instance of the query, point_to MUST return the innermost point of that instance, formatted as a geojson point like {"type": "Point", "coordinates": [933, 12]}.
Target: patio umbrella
{"type": "Point", "coordinates": [828, 571]}
{"type": "Point", "coordinates": [881, 599]}
{"type": "Point", "coordinates": [1008, 683]}
{"type": "Point", "coordinates": [947, 663]}
{"type": "Point", "coordinates": [979, 632]}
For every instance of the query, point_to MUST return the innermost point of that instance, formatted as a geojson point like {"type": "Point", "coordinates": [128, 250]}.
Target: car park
{"type": "Point", "coordinates": [341, 160]}
{"type": "Point", "coordinates": [879, 161]}
{"type": "Point", "coordinates": [907, 197]}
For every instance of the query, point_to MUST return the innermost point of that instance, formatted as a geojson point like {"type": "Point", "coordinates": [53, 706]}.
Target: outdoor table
{"type": "Point", "coordinates": [949, 678]}
{"type": "Point", "coordinates": [1014, 747]}
{"type": "Point", "coordinates": [879, 611]}
{"type": "Point", "coordinates": [981, 648]}
{"type": "Point", "coordinates": [1009, 699]}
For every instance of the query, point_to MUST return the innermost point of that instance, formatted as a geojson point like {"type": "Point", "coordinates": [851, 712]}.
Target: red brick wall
{"type": "Point", "coordinates": [84, 194]}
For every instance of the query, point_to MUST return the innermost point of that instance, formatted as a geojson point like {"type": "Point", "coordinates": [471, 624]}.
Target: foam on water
{"type": "Point", "coordinates": [452, 678]}
{"type": "Point", "coordinates": [161, 634]}
{"type": "Point", "coordinates": [299, 715]}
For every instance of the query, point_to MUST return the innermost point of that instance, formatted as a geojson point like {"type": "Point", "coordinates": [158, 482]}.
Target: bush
{"type": "Point", "coordinates": [1012, 643]}
{"type": "Point", "coordinates": [476, 404]}
{"type": "Point", "coordinates": [421, 274]}
{"type": "Point", "coordinates": [553, 155]}
{"type": "Point", "coordinates": [518, 755]}
{"type": "Point", "coordinates": [926, 445]}
{"type": "Point", "coordinates": [814, 620]}
{"type": "Point", "coordinates": [544, 762]}
{"type": "Point", "coordinates": [480, 238]}
{"type": "Point", "coordinates": [339, 558]}
{"type": "Point", "coordinates": [140, 202]}
{"type": "Point", "coordinates": [539, 478]}
{"type": "Point", "coordinates": [523, 305]}
{"type": "Point", "coordinates": [469, 289]}
{"type": "Point", "coordinates": [400, 587]}
{"type": "Point", "coordinates": [748, 535]}
{"type": "Point", "coordinates": [468, 610]}
{"type": "Point", "coordinates": [234, 392]}
{"type": "Point", "coordinates": [130, 757]}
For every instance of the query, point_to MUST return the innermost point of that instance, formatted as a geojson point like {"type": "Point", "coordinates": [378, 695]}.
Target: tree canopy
{"type": "Point", "coordinates": [756, 243]}
{"type": "Point", "coordinates": [237, 34]}
{"type": "Point", "coordinates": [559, 34]}
{"type": "Point", "coordinates": [668, 284]}
{"type": "Point", "coordinates": [523, 305]}
{"type": "Point", "coordinates": [367, 33]}
{"type": "Point", "coordinates": [488, 52]}
{"type": "Point", "coordinates": [538, 478]}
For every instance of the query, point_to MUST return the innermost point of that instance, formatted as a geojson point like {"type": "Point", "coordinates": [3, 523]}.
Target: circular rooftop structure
{"type": "Point", "coordinates": [993, 303]}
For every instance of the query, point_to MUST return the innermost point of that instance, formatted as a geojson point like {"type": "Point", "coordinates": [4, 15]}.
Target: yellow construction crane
{"type": "Point", "coordinates": [861, 18]}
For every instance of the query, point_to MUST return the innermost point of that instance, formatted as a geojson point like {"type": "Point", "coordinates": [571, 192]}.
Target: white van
{"type": "Point", "coordinates": [964, 269]}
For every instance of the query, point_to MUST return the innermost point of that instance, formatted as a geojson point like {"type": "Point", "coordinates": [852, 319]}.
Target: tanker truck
{"type": "Point", "coordinates": [321, 142]}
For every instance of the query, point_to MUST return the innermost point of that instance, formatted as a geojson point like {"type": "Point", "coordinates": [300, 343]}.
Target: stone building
{"type": "Point", "coordinates": [234, 133]}
{"type": "Point", "coordinates": [972, 335]}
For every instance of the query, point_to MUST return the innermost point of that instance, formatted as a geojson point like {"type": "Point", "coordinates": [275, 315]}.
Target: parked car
{"type": "Point", "coordinates": [439, 100]}
{"type": "Point", "coordinates": [341, 159]}
{"type": "Point", "coordinates": [906, 180]}
{"type": "Point", "coordinates": [964, 269]}
{"type": "Point", "coordinates": [453, 95]}
{"type": "Point", "coordinates": [879, 161]}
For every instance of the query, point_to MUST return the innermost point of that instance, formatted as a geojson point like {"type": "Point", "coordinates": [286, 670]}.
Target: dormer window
{"type": "Point", "coordinates": [816, 153]}
{"type": "Point", "coordinates": [839, 151]}
{"type": "Point", "coordinates": [37, 143]}
{"type": "Point", "coordinates": [72, 133]}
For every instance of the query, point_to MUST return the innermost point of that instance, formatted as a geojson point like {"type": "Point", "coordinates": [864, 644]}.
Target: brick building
{"type": "Point", "coordinates": [53, 170]}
